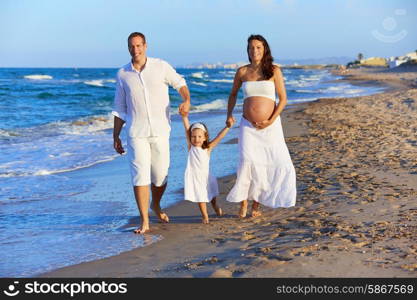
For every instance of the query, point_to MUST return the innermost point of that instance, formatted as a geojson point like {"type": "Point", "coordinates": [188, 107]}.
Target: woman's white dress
{"type": "Point", "coordinates": [265, 173]}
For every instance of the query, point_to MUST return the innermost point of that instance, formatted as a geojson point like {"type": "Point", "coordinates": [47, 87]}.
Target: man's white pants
{"type": "Point", "coordinates": [148, 160]}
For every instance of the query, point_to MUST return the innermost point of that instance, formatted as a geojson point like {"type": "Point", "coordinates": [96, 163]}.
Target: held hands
{"type": "Point", "coordinates": [184, 108]}
{"type": "Point", "coordinates": [117, 145]}
{"type": "Point", "coordinates": [230, 121]}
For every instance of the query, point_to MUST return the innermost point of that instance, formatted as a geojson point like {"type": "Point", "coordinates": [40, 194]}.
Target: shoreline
{"type": "Point", "coordinates": [308, 239]}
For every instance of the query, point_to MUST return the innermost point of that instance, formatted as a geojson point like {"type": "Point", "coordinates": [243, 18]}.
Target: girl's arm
{"type": "Point", "coordinates": [219, 137]}
{"type": "Point", "coordinates": [186, 124]}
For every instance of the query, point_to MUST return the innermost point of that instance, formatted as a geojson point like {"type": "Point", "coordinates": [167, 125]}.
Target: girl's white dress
{"type": "Point", "coordinates": [199, 184]}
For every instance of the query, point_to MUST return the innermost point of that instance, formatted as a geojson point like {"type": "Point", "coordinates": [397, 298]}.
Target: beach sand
{"type": "Point", "coordinates": [356, 211]}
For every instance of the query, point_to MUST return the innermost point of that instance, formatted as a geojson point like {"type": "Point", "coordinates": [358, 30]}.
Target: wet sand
{"type": "Point", "coordinates": [356, 211]}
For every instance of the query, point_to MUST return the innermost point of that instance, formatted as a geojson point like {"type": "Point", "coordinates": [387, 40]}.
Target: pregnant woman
{"type": "Point", "coordinates": [265, 173]}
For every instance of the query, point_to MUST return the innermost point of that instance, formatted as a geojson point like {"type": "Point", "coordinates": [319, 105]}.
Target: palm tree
{"type": "Point", "coordinates": [360, 56]}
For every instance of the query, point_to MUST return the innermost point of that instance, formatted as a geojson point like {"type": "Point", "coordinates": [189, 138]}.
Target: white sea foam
{"type": "Point", "coordinates": [199, 75]}
{"type": "Point", "coordinates": [221, 80]}
{"type": "Point", "coordinates": [7, 133]}
{"type": "Point", "coordinates": [337, 88]}
{"type": "Point", "coordinates": [99, 82]}
{"type": "Point", "coordinates": [299, 83]}
{"type": "Point", "coordinates": [353, 91]}
{"type": "Point", "coordinates": [198, 83]}
{"type": "Point", "coordinates": [44, 172]}
{"type": "Point", "coordinates": [306, 91]}
{"type": "Point", "coordinates": [94, 82]}
{"type": "Point", "coordinates": [88, 125]}
{"type": "Point", "coordinates": [38, 77]}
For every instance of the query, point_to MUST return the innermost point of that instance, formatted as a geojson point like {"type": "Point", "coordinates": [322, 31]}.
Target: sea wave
{"type": "Point", "coordinates": [82, 126]}
{"type": "Point", "coordinates": [38, 77]}
{"type": "Point", "coordinates": [99, 82]}
{"type": "Point", "coordinates": [89, 124]}
{"type": "Point", "coordinates": [8, 133]}
{"type": "Point", "coordinates": [221, 80]}
{"type": "Point", "coordinates": [199, 75]}
{"type": "Point", "coordinates": [198, 83]}
{"type": "Point", "coordinates": [216, 104]}
{"type": "Point", "coordinates": [306, 91]}
{"type": "Point", "coordinates": [45, 95]}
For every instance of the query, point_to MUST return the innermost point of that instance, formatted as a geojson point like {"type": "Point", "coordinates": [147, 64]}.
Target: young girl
{"type": "Point", "coordinates": [199, 185]}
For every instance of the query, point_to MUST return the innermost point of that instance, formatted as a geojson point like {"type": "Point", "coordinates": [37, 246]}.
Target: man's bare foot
{"type": "Point", "coordinates": [256, 212]}
{"type": "Point", "coordinates": [243, 209]}
{"type": "Point", "coordinates": [163, 217]}
{"type": "Point", "coordinates": [142, 229]}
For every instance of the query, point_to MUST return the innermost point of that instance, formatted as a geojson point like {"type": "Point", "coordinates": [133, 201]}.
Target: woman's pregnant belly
{"type": "Point", "coordinates": [257, 109]}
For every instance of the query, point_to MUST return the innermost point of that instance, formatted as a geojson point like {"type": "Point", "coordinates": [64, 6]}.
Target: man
{"type": "Point", "coordinates": [142, 102]}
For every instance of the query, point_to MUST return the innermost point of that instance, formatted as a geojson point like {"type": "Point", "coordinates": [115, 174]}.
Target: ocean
{"type": "Point", "coordinates": [56, 124]}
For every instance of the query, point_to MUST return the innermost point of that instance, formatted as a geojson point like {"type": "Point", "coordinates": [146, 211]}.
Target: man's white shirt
{"type": "Point", "coordinates": [142, 98]}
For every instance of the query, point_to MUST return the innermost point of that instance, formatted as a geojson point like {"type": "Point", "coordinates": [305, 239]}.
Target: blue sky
{"type": "Point", "coordinates": [92, 33]}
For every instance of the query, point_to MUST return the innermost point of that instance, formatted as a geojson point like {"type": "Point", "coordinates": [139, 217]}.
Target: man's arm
{"type": "Point", "coordinates": [119, 112]}
{"type": "Point", "coordinates": [184, 107]}
{"type": "Point", "coordinates": [117, 143]}
{"type": "Point", "coordinates": [178, 82]}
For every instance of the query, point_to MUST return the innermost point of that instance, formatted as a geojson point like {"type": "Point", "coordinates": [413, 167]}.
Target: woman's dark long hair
{"type": "Point", "coordinates": [267, 59]}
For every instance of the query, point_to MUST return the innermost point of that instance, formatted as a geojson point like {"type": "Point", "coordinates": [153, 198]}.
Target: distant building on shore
{"type": "Point", "coordinates": [395, 61]}
{"type": "Point", "coordinates": [218, 65]}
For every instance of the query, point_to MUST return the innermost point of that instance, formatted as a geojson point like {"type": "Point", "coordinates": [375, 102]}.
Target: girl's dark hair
{"type": "Point", "coordinates": [267, 59]}
{"type": "Point", "coordinates": [206, 143]}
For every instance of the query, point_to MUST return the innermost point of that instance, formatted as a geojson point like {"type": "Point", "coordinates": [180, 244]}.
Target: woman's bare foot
{"type": "Point", "coordinates": [205, 220]}
{"type": "Point", "coordinates": [141, 230]}
{"type": "Point", "coordinates": [256, 212]}
{"type": "Point", "coordinates": [218, 210]}
{"type": "Point", "coordinates": [243, 209]}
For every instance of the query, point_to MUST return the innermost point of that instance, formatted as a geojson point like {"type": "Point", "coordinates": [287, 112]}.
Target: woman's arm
{"type": "Point", "coordinates": [237, 83]}
{"type": "Point", "coordinates": [282, 96]}
{"type": "Point", "coordinates": [186, 124]}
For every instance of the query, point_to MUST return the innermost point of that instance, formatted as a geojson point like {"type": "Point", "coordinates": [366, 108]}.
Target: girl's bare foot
{"type": "Point", "coordinates": [256, 212]}
{"type": "Point", "coordinates": [243, 209]}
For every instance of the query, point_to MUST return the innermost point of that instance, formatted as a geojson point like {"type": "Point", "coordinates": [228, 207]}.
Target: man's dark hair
{"type": "Point", "coordinates": [133, 34]}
